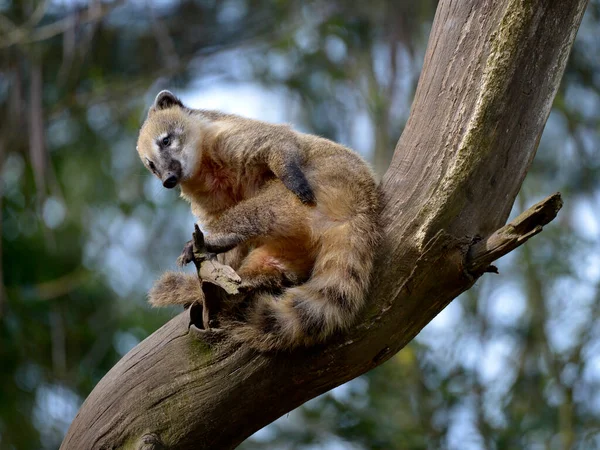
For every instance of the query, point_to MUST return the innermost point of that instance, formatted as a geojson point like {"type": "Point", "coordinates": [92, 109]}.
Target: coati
{"type": "Point", "coordinates": [294, 214]}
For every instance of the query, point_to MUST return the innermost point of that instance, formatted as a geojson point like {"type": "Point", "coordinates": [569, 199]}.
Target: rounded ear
{"type": "Point", "coordinates": [166, 99]}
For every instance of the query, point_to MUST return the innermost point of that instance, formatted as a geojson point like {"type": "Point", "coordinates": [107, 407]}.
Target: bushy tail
{"type": "Point", "coordinates": [175, 288]}
{"type": "Point", "coordinates": [328, 302]}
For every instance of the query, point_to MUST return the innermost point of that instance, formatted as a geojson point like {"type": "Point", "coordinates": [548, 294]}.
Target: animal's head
{"type": "Point", "coordinates": [168, 140]}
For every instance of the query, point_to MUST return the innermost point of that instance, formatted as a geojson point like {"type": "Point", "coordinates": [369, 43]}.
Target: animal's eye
{"type": "Point", "coordinates": [166, 141]}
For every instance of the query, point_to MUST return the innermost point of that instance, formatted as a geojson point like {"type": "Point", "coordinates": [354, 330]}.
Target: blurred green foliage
{"type": "Point", "coordinates": [513, 363]}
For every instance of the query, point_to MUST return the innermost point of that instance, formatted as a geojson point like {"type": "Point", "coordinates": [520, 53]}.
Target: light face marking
{"type": "Point", "coordinates": [188, 156]}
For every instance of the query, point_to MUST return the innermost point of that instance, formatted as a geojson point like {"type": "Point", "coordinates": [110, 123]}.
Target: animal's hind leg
{"type": "Point", "coordinates": [277, 265]}
{"type": "Point", "coordinates": [260, 270]}
{"type": "Point", "coordinates": [264, 269]}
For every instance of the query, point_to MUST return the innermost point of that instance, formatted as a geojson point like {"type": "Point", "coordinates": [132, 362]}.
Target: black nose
{"type": "Point", "coordinates": [170, 182]}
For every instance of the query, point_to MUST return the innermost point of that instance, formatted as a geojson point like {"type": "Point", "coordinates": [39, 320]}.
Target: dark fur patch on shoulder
{"type": "Point", "coordinates": [296, 182]}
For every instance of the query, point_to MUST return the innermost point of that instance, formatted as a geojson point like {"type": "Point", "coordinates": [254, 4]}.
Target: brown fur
{"type": "Point", "coordinates": [299, 212]}
{"type": "Point", "coordinates": [175, 288]}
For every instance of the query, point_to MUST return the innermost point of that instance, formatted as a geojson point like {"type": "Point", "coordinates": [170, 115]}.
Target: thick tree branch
{"type": "Point", "coordinates": [491, 72]}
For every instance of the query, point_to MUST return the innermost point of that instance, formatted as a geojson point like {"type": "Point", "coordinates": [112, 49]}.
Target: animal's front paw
{"type": "Point", "coordinates": [187, 254]}
{"type": "Point", "coordinates": [221, 243]}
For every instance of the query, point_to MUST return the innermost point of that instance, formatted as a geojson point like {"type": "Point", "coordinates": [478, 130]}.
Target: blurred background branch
{"type": "Point", "coordinates": [28, 32]}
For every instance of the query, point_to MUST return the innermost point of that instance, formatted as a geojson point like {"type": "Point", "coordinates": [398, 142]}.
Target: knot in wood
{"type": "Point", "coordinates": [151, 442]}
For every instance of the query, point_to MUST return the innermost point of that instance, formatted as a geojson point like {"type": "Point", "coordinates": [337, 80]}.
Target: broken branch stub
{"type": "Point", "coordinates": [512, 235]}
{"type": "Point", "coordinates": [212, 271]}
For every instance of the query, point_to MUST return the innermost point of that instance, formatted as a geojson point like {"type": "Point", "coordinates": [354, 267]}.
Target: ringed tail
{"type": "Point", "coordinates": [327, 303]}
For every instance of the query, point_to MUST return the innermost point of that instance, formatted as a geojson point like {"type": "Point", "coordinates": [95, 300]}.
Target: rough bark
{"type": "Point", "coordinates": [491, 71]}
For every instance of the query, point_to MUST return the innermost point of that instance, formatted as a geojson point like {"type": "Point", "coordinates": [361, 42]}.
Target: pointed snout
{"type": "Point", "coordinates": [170, 180]}
{"type": "Point", "coordinates": [172, 175]}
